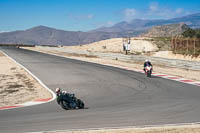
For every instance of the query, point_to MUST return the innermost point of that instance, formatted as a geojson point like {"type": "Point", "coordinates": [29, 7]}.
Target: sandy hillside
{"type": "Point", "coordinates": [115, 45]}
{"type": "Point", "coordinates": [17, 86]}
{"type": "Point", "coordinates": [138, 44]}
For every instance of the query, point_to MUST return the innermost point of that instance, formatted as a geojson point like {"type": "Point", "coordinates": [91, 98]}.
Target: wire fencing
{"type": "Point", "coordinates": [186, 46]}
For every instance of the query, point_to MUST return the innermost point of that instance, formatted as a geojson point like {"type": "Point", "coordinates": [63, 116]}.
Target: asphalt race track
{"type": "Point", "coordinates": [114, 97]}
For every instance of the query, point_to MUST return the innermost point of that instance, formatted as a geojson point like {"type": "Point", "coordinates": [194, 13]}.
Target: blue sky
{"type": "Point", "coordinates": [85, 15]}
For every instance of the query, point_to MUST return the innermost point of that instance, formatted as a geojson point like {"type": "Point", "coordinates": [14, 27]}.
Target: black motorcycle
{"type": "Point", "coordinates": [69, 101]}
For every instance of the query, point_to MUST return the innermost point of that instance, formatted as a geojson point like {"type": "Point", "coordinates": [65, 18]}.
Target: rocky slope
{"type": "Point", "coordinates": [166, 30]}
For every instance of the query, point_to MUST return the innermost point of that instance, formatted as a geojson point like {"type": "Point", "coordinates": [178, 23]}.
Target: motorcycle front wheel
{"type": "Point", "coordinates": [64, 105]}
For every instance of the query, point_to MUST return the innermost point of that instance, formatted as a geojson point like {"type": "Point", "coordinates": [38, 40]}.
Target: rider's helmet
{"type": "Point", "coordinates": [146, 60]}
{"type": "Point", "coordinates": [57, 90]}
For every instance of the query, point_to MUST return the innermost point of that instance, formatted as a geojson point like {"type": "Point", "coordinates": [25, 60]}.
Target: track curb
{"type": "Point", "coordinates": [166, 76]}
{"type": "Point", "coordinates": [30, 103]}
{"type": "Point", "coordinates": [40, 101]}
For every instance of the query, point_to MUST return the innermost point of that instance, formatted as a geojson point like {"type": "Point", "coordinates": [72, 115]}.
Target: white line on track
{"type": "Point", "coordinates": [40, 82]}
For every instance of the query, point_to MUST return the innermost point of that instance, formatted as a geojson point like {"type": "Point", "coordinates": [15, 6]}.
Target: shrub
{"type": "Point", "coordinates": [197, 33]}
{"type": "Point", "coordinates": [189, 33]}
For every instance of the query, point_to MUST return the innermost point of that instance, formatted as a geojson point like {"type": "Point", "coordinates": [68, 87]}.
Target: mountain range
{"type": "Point", "coordinates": [42, 35]}
{"type": "Point", "coordinates": [193, 21]}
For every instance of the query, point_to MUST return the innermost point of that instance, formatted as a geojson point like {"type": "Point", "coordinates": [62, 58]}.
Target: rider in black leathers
{"type": "Point", "coordinates": [68, 100]}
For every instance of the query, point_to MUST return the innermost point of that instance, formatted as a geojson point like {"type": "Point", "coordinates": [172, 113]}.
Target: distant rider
{"type": "Point", "coordinates": [147, 63]}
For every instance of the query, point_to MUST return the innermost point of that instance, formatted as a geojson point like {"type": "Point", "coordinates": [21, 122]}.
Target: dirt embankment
{"type": "Point", "coordinates": [116, 46]}
{"type": "Point", "coordinates": [17, 86]}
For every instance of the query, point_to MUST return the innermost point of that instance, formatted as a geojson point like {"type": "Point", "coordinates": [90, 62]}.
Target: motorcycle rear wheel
{"type": "Point", "coordinates": [149, 74]}
{"type": "Point", "coordinates": [80, 104]}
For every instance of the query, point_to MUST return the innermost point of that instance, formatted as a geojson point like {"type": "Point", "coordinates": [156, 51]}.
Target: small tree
{"type": "Point", "coordinates": [197, 35]}
{"type": "Point", "coordinates": [189, 33]}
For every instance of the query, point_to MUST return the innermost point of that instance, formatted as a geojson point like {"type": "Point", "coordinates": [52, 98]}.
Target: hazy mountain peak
{"type": "Point", "coordinates": [193, 20]}
{"type": "Point", "coordinates": [195, 14]}
{"type": "Point", "coordinates": [40, 27]}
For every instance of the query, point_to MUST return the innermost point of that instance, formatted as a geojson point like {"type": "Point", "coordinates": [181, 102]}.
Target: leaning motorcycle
{"type": "Point", "coordinates": [69, 101]}
{"type": "Point", "coordinates": [148, 71]}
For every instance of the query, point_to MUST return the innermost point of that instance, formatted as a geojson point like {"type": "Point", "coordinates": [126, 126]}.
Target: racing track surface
{"type": "Point", "coordinates": [114, 97]}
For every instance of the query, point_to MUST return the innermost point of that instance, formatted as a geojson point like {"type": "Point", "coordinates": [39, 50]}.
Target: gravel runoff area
{"type": "Point", "coordinates": [188, 74]}
{"type": "Point", "coordinates": [16, 85]}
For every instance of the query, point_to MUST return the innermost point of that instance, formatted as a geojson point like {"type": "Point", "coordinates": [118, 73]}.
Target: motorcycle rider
{"type": "Point", "coordinates": [61, 92]}
{"type": "Point", "coordinates": [70, 96]}
{"type": "Point", "coordinates": [147, 63]}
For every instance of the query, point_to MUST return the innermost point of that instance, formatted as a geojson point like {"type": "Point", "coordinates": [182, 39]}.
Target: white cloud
{"type": "Point", "coordinates": [156, 11]}
{"type": "Point", "coordinates": [153, 11]}
{"type": "Point", "coordinates": [105, 24]}
{"type": "Point", "coordinates": [170, 13]}
{"type": "Point", "coordinates": [129, 14]}
{"type": "Point", "coordinates": [110, 23]}
{"type": "Point", "coordinates": [90, 16]}
{"type": "Point", "coordinates": [154, 6]}
{"type": "Point", "coordinates": [80, 17]}
{"type": "Point", "coordinates": [3, 31]}
{"type": "Point", "coordinates": [179, 10]}
{"type": "Point", "coordinates": [166, 13]}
